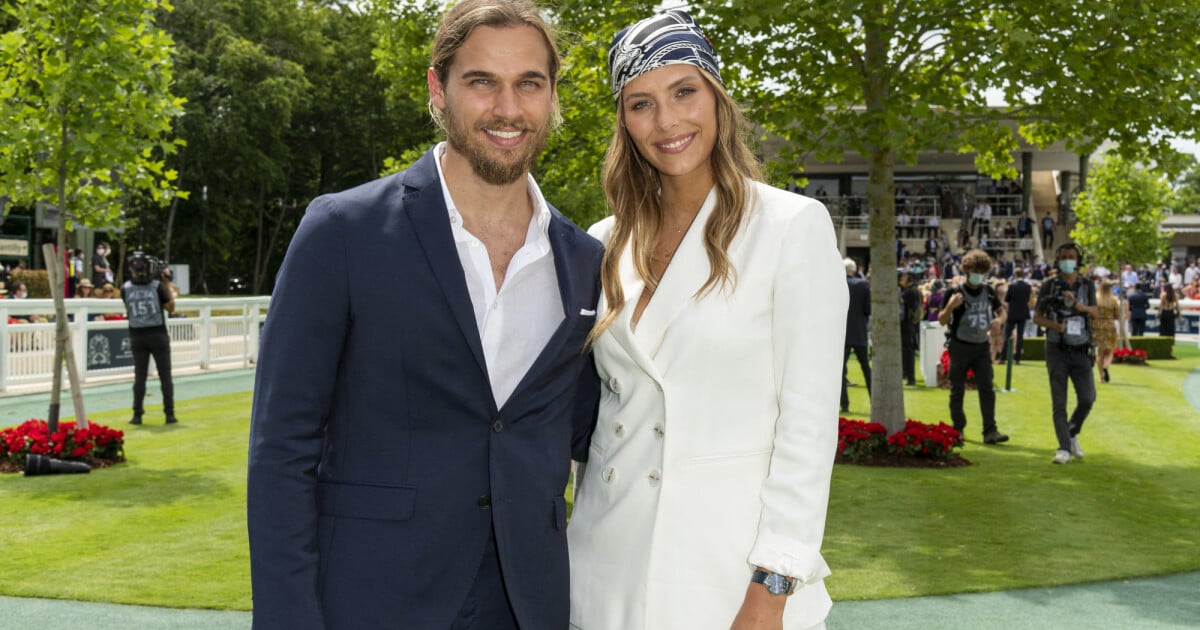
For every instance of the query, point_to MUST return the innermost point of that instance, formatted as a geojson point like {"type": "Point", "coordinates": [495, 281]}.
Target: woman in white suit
{"type": "Point", "coordinates": [703, 501]}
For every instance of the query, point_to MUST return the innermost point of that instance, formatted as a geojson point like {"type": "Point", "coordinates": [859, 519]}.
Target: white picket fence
{"type": "Point", "coordinates": [205, 333]}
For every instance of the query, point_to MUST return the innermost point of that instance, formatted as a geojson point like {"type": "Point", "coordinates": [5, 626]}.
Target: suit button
{"type": "Point", "coordinates": [614, 385]}
{"type": "Point", "coordinates": [659, 431]}
{"type": "Point", "coordinates": [484, 502]}
{"type": "Point", "coordinates": [619, 429]}
{"type": "Point", "coordinates": [609, 475]}
{"type": "Point", "coordinates": [655, 478]}
{"type": "Point", "coordinates": [498, 425]}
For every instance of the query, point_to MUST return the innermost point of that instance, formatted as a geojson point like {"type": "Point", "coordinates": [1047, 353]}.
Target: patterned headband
{"type": "Point", "coordinates": [657, 41]}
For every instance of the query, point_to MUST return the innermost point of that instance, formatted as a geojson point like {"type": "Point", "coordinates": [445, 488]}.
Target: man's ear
{"type": "Point", "coordinates": [437, 91]}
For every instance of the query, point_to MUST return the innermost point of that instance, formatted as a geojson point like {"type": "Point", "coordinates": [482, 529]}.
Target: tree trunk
{"type": "Point", "coordinates": [260, 236]}
{"type": "Point", "coordinates": [174, 207]}
{"type": "Point", "coordinates": [62, 344]}
{"type": "Point", "coordinates": [887, 389]}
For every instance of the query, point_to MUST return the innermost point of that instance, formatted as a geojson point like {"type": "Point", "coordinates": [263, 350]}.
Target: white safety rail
{"type": "Point", "coordinates": [205, 333]}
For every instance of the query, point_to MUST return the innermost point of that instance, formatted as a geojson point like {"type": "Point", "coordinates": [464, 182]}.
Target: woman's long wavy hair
{"type": "Point", "coordinates": [631, 186]}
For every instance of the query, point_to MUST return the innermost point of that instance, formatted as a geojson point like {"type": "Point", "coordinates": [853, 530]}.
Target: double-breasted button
{"type": "Point", "coordinates": [614, 385]}
{"type": "Point", "coordinates": [484, 502]}
{"type": "Point", "coordinates": [655, 477]}
{"type": "Point", "coordinates": [659, 431]}
{"type": "Point", "coordinates": [619, 429]}
{"type": "Point", "coordinates": [609, 475]}
{"type": "Point", "coordinates": [498, 425]}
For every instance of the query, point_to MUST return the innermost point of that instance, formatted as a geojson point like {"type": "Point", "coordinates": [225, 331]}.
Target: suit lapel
{"type": "Point", "coordinates": [620, 329]}
{"type": "Point", "coordinates": [426, 208]}
{"type": "Point", "coordinates": [687, 272]}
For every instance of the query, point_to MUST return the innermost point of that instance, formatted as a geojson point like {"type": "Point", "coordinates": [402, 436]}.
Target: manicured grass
{"type": "Point", "coordinates": [168, 527]}
{"type": "Point", "coordinates": [1013, 519]}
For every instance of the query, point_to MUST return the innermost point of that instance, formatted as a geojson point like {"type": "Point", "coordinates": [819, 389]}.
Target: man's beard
{"type": "Point", "coordinates": [513, 163]}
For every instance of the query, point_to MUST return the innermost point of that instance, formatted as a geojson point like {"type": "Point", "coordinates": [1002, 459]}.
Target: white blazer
{"type": "Point", "coordinates": [717, 430]}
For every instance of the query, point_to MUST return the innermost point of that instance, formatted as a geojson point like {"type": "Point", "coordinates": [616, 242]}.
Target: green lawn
{"type": "Point", "coordinates": [168, 527]}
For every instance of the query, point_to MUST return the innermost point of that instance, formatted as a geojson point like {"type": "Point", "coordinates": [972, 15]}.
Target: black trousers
{"type": "Point", "coordinates": [1076, 366]}
{"type": "Point", "coordinates": [976, 357]}
{"type": "Point", "coordinates": [860, 352]}
{"type": "Point", "coordinates": [158, 345]}
{"type": "Point", "coordinates": [1019, 326]}
{"type": "Point", "coordinates": [1137, 327]}
{"type": "Point", "coordinates": [908, 351]}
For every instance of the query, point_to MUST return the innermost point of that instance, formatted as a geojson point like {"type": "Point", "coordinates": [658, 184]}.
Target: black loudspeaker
{"type": "Point", "coordinates": [42, 465]}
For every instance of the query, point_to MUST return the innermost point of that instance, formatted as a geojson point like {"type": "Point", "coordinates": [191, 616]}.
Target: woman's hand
{"type": "Point", "coordinates": [760, 610]}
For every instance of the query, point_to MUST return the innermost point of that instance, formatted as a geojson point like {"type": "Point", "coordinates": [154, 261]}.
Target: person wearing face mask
{"type": "Point", "coordinates": [1065, 307]}
{"type": "Point", "coordinates": [969, 309]}
{"type": "Point", "coordinates": [101, 270]}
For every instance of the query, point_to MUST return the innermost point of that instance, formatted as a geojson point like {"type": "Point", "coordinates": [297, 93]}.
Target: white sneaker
{"type": "Point", "coordinates": [1076, 449]}
{"type": "Point", "coordinates": [1062, 457]}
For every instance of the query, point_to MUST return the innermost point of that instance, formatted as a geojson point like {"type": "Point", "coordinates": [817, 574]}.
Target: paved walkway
{"type": "Point", "coordinates": [1159, 603]}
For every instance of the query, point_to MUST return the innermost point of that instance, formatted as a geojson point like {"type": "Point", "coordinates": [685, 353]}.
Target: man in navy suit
{"type": "Point", "coordinates": [858, 316]}
{"type": "Point", "coordinates": [413, 429]}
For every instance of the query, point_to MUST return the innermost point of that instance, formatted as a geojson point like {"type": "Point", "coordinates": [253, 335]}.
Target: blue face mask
{"type": "Point", "coordinates": [974, 279]}
{"type": "Point", "coordinates": [1067, 266]}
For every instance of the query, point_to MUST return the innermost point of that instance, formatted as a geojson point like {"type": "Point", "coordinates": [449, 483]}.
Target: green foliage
{"type": "Point", "coordinates": [1120, 213]}
{"type": "Point", "coordinates": [1186, 199]}
{"type": "Point", "coordinates": [1157, 348]}
{"type": "Point", "coordinates": [85, 93]}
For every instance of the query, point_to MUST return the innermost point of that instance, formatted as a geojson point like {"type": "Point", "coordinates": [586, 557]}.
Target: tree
{"type": "Point", "coordinates": [1186, 199]}
{"type": "Point", "coordinates": [1120, 213]}
{"type": "Point", "coordinates": [889, 78]}
{"type": "Point", "coordinates": [85, 96]}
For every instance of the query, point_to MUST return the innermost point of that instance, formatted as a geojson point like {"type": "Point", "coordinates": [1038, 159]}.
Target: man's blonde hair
{"type": "Point", "coordinates": [464, 17]}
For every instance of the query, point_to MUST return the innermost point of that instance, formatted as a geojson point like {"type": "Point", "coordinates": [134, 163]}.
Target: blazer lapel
{"type": "Point", "coordinates": [426, 208]}
{"type": "Point", "coordinates": [620, 330]}
{"type": "Point", "coordinates": [687, 272]}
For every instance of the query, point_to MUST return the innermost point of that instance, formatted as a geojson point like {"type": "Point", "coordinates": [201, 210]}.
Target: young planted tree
{"type": "Point", "coordinates": [1120, 213]}
{"type": "Point", "coordinates": [86, 103]}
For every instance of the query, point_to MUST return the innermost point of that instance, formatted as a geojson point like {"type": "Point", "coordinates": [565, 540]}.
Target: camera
{"type": "Point", "coordinates": [143, 267]}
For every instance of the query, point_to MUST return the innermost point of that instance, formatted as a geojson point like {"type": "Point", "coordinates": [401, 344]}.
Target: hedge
{"type": "Point", "coordinates": [1156, 347]}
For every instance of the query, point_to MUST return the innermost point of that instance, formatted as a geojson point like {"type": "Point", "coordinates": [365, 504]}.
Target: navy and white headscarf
{"type": "Point", "coordinates": [657, 41]}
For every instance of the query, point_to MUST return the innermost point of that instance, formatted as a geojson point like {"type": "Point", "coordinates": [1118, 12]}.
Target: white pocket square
{"type": "Point", "coordinates": [587, 312]}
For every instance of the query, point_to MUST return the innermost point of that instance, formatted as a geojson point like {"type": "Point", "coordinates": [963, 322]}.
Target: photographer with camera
{"type": "Point", "coordinates": [1065, 307]}
{"type": "Point", "coordinates": [146, 297]}
{"type": "Point", "coordinates": [968, 313]}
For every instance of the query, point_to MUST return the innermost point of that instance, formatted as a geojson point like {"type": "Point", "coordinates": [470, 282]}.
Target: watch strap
{"type": "Point", "coordinates": [764, 577]}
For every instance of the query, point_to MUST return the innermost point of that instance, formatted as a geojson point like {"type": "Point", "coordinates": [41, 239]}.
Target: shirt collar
{"type": "Point", "coordinates": [541, 209]}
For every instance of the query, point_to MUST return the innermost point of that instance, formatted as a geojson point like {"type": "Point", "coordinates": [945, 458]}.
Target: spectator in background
{"type": "Point", "coordinates": [19, 291]}
{"type": "Point", "coordinates": [101, 270]}
{"type": "Point", "coordinates": [1138, 302]}
{"type": "Point", "coordinates": [1175, 279]}
{"type": "Point", "coordinates": [1024, 226]}
{"type": "Point", "coordinates": [1192, 290]}
{"type": "Point", "coordinates": [1191, 273]}
{"type": "Point", "coordinates": [1104, 328]}
{"type": "Point", "coordinates": [1129, 277]}
{"type": "Point", "coordinates": [1047, 232]}
{"type": "Point", "coordinates": [1168, 312]}
{"type": "Point", "coordinates": [1017, 299]}
{"type": "Point", "coordinates": [858, 316]}
{"type": "Point", "coordinates": [84, 290]}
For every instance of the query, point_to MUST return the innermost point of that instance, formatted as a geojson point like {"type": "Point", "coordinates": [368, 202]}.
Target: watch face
{"type": "Point", "coordinates": [776, 584]}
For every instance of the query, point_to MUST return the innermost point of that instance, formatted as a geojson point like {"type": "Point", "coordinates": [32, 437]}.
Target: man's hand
{"type": "Point", "coordinates": [956, 300]}
{"type": "Point", "coordinates": [760, 610]}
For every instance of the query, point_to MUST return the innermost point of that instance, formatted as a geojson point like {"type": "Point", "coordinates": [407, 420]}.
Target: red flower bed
{"type": "Point", "coordinates": [96, 444]}
{"type": "Point", "coordinates": [918, 444]}
{"type": "Point", "coordinates": [943, 373]}
{"type": "Point", "coordinates": [1125, 355]}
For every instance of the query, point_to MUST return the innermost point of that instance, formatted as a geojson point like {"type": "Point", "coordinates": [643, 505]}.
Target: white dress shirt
{"type": "Point", "coordinates": [515, 322]}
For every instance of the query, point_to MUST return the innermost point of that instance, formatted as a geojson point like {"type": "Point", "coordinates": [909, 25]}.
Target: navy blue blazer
{"type": "Point", "coordinates": [379, 462]}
